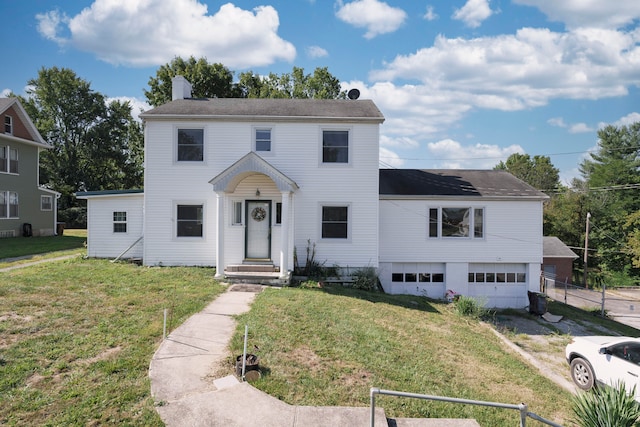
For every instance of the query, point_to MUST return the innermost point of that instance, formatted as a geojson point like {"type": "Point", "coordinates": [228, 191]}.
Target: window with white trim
{"type": "Point", "coordinates": [13, 160]}
{"type": "Point", "coordinates": [9, 204]}
{"type": "Point", "coordinates": [46, 203]}
{"type": "Point", "coordinates": [189, 220]}
{"type": "Point", "coordinates": [497, 273]}
{"type": "Point", "coordinates": [8, 125]}
{"type": "Point", "coordinates": [119, 222]}
{"type": "Point", "coordinates": [4, 159]}
{"type": "Point", "coordinates": [190, 145]}
{"type": "Point", "coordinates": [465, 222]}
{"type": "Point", "coordinates": [262, 142]}
{"type": "Point", "coordinates": [335, 222]}
{"type": "Point", "coordinates": [335, 146]}
{"type": "Point", "coordinates": [236, 213]}
{"type": "Point", "coordinates": [417, 273]}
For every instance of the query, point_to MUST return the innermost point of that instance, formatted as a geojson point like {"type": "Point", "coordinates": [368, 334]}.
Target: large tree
{"type": "Point", "coordinates": [612, 175]}
{"type": "Point", "coordinates": [538, 171]}
{"type": "Point", "coordinates": [216, 81]}
{"type": "Point", "coordinates": [208, 80]}
{"type": "Point", "coordinates": [95, 146]}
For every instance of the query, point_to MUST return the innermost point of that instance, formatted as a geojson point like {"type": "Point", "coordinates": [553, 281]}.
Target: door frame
{"type": "Point", "coordinates": [246, 234]}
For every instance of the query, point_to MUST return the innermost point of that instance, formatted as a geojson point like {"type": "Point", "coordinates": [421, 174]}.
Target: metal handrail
{"type": "Point", "coordinates": [522, 408]}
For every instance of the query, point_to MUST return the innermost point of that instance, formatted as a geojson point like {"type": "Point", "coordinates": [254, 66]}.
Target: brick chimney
{"type": "Point", "coordinates": [180, 88]}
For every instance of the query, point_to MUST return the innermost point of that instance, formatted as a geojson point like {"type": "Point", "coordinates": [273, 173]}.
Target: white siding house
{"type": "Point", "coordinates": [251, 182]}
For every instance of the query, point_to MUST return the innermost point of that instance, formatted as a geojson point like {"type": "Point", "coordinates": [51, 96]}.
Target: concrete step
{"type": "Point", "coordinates": [251, 268]}
{"type": "Point", "coordinates": [431, 422]}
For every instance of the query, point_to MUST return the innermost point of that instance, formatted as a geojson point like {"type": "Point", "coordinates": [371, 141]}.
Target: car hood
{"type": "Point", "coordinates": [601, 340]}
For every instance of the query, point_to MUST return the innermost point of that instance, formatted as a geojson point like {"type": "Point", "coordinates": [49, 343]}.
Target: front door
{"type": "Point", "coordinates": [258, 236]}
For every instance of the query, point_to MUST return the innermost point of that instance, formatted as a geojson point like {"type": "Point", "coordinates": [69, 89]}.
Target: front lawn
{"type": "Point", "coordinates": [329, 346]}
{"type": "Point", "coordinates": [71, 240]}
{"type": "Point", "coordinates": [77, 337]}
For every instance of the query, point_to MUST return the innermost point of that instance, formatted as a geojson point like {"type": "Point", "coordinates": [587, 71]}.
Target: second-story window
{"type": "Point", "coordinates": [335, 146]}
{"type": "Point", "coordinates": [8, 125]}
{"type": "Point", "coordinates": [8, 159]}
{"type": "Point", "coordinates": [190, 145]}
{"type": "Point", "coordinates": [13, 160]}
{"type": "Point", "coordinates": [4, 161]}
{"type": "Point", "coordinates": [263, 140]}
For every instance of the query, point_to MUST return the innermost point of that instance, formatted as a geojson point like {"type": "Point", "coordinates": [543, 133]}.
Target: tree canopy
{"type": "Point", "coordinates": [538, 172]}
{"type": "Point", "coordinates": [216, 81]}
{"type": "Point", "coordinates": [95, 145]}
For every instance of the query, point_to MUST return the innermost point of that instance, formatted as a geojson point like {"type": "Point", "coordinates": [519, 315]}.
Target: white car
{"type": "Point", "coordinates": [606, 360]}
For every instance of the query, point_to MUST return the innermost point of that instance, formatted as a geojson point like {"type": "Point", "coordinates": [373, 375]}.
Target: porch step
{"type": "Point", "coordinates": [252, 268]}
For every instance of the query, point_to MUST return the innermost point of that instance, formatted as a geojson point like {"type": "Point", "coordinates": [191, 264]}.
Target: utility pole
{"type": "Point", "coordinates": [586, 250]}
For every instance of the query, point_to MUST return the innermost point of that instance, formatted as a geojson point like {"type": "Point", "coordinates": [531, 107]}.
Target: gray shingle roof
{"type": "Point", "coordinates": [454, 182]}
{"type": "Point", "coordinates": [555, 248]}
{"type": "Point", "coordinates": [273, 109]}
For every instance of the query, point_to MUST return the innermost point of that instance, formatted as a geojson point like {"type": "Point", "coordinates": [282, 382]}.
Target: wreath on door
{"type": "Point", "coordinates": [258, 214]}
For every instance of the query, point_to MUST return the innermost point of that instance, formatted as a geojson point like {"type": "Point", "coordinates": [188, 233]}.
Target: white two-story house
{"type": "Point", "coordinates": [232, 182]}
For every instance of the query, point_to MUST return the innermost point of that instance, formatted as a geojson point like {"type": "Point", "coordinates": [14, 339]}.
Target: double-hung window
{"type": "Point", "coordinates": [335, 146]}
{"type": "Point", "coordinates": [456, 222]}
{"type": "Point", "coordinates": [190, 145]}
{"type": "Point", "coordinates": [4, 159]}
{"type": "Point", "coordinates": [263, 140]}
{"type": "Point", "coordinates": [189, 220]}
{"type": "Point", "coordinates": [8, 125]}
{"type": "Point", "coordinates": [335, 222]}
{"type": "Point", "coordinates": [8, 159]}
{"type": "Point", "coordinates": [46, 203]}
{"type": "Point", "coordinates": [119, 222]}
{"type": "Point", "coordinates": [13, 160]}
{"type": "Point", "coordinates": [9, 204]}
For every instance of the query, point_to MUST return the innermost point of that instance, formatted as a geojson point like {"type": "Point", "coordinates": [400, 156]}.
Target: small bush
{"type": "Point", "coordinates": [468, 306]}
{"type": "Point", "coordinates": [606, 407]}
{"type": "Point", "coordinates": [365, 279]}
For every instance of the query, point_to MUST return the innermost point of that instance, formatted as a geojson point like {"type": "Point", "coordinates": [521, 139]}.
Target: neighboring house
{"type": "Point", "coordinates": [269, 183]}
{"type": "Point", "coordinates": [25, 207]}
{"type": "Point", "coordinates": [557, 264]}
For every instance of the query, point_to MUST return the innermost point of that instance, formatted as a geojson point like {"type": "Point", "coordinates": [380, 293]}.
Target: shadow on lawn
{"type": "Point", "coordinates": [412, 302]}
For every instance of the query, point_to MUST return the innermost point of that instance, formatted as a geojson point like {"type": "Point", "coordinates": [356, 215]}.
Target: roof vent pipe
{"type": "Point", "coordinates": [180, 88]}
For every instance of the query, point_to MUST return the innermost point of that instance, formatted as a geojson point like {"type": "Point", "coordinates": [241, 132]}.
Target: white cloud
{"type": "Point", "coordinates": [580, 128]}
{"type": "Point", "coordinates": [316, 52]}
{"type": "Point", "coordinates": [374, 15]}
{"type": "Point", "coordinates": [627, 120]}
{"type": "Point", "coordinates": [473, 13]}
{"type": "Point", "coordinates": [557, 121]}
{"type": "Point", "coordinates": [152, 32]}
{"type": "Point", "coordinates": [452, 154]}
{"type": "Point", "coordinates": [390, 159]}
{"type": "Point", "coordinates": [430, 15]}
{"type": "Point", "coordinates": [524, 70]}
{"type": "Point", "coordinates": [588, 13]}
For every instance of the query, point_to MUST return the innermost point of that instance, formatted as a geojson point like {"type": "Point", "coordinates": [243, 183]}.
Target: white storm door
{"type": "Point", "coordinates": [258, 236]}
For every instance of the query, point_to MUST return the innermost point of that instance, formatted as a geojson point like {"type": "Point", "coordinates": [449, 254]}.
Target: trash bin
{"type": "Point", "coordinates": [537, 303]}
{"type": "Point", "coordinates": [27, 230]}
{"type": "Point", "coordinates": [60, 228]}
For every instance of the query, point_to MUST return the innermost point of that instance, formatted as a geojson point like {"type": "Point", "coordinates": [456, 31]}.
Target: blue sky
{"type": "Point", "coordinates": [462, 83]}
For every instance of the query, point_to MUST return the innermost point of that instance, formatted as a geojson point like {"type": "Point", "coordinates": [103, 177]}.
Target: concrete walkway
{"type": "Point", "coordinates": [186, 396]}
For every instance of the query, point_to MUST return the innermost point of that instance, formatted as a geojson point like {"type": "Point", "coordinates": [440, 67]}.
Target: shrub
{"type": "Point", "coordinates": [365, 279]}
{"type": "Point", "coordinates": [606, 407]}
{"type": "Point", "coordinates": [468, 306]}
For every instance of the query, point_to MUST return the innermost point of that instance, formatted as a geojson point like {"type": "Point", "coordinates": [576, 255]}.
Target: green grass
{"type": "Point", "coordinates": [72, 241]}
{"type": "Point", "coordinates": [77, 337]}
{"type": "Point", "coordinates": [329, 346]}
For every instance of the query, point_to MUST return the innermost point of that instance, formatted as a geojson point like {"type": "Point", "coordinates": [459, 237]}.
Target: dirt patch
{"type": "Point", "coordinates": [107, 354]}
{"type": "Point", "coordinates": [243, 287]}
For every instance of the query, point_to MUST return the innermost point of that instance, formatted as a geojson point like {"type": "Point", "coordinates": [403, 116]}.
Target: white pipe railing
{"type": "Point", "coordinates": [522, 408]}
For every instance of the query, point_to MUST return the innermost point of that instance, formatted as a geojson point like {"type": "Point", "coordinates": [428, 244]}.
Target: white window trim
{"type": "Point", "coordinates": [125, 222]}
{"type": "Point", "coordinates": [472, 219]}
{"type": "Point", "coordinates": [11, 128]}
{"type": "Point", "coordinates": [254, 130]}
{"type": "Point", "coordinates": [349, 222]}
{"type": "Point", "coordinates": [232, 213]}
{"type": "Point", "coordinates": [7, 195]}
{"type": "Point", "coordinates": [174, 215]}
{"type": "Point", "coordinates": [202, 162]}
{"type": "Point", "coordinates": [43, 197]}
{"type": "Point", "coordinates": [349, 131]}
{"type": "Point", "coordinates": [8, 160]}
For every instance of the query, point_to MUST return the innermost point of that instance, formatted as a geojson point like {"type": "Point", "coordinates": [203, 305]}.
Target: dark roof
{"type": "Point", "coordinates": [454, 182]}
{"type": "Point", "coordinates": [266, 108]}
{"type": "Point", "coordinates": [82, 194]}
{"type": "Point", "coordinates": [555, 248]}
